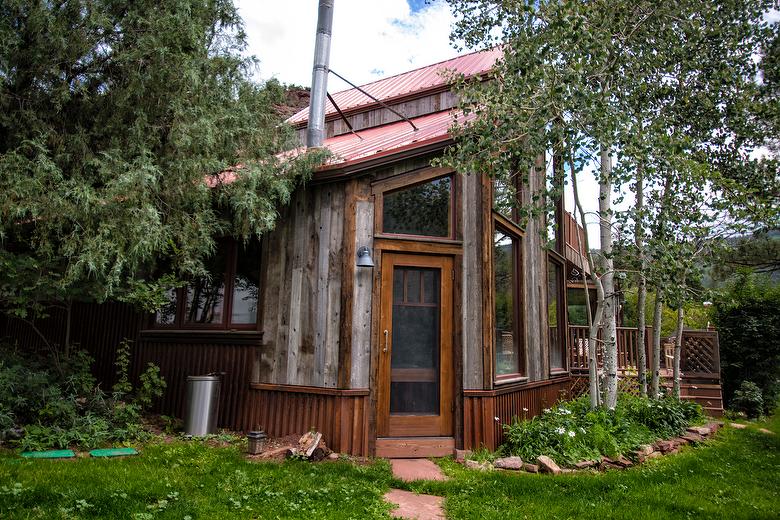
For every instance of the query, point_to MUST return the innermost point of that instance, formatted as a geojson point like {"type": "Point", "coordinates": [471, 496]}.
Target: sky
{"type": "Point", "coordinates": [371, 39]}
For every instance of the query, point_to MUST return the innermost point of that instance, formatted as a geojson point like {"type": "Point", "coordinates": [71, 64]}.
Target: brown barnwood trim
{"type": "Point", "coordinates": [202, 336]}
{"type": "Point", "coordinates": [486, 231]}
{"type": "Point", "coordinates": [457, 347]}
{"type": "Point", "coordinates": [308, 389]}
{"type": "Point", "coordinates": [373, 399]}
{"type": "Point", "coordinates": [408, 245]}
{"type": "Point", "coordinates": [512, 388]}
{"type": "Point", "coordinates": [349, 257]}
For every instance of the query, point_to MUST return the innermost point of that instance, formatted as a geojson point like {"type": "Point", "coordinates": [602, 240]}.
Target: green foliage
{"type": "Point", "coordinates": [748, 400]}
{"type": "Point", "coordinates": [696, 314]}
{"type": "Point", "coordinates": [131, 137]}
{"type": "Point", "coordinates": [747, 315]}
{"type": "Point", "coordinates": [42, 408]}
{"type": "Point", "coordinates": [571, 431]}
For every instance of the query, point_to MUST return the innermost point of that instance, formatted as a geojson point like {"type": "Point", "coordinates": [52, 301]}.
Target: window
{"type": "Point", "coordinates": [423, 209]}
{"type": "Point", "coordinates": [227, 298]}
{"type": "Point", "coordinates": [506, 197]}
{"type": "Point", "coordinates": [555, 318]}
{"type": "Point", "coordinates": [508, 341]}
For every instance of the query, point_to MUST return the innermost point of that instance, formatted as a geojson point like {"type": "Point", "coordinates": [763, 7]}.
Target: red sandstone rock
{"type": "Point", "coordinates": [547, 465]}
{"type": "Point", "coordinates": [585, 464]}
{"type": "Point", "coordinates": [530, 468]}
{"type": "Point", "coordinates": [511, 463]}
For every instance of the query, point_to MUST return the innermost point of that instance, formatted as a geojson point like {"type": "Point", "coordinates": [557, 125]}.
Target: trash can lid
{"type": "Point", "coordinates": [257, 435]}
{"type": "Point", "coordinates": [203, 378]}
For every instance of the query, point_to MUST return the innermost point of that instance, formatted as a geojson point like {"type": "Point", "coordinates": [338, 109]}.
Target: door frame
{"type": "Point", "coordinates": [413, 426]}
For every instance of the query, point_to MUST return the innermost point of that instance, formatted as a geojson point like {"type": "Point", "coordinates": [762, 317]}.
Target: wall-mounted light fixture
{"type": "Point", "coordinates": [364, 257]}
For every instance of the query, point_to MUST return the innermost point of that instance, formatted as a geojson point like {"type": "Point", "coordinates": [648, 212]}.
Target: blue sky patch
{"type": "Point", "coordinates": [416, 5]}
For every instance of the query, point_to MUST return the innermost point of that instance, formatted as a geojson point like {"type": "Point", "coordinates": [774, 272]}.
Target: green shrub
{"type": "Point", "coordinates": [571, 431]}
{"type": "Point", "coordinates": [44, 407]}
{"type": "Point", "coordinates": [747, 315]}
{"type": "Point", "coordinates": [748, 400]}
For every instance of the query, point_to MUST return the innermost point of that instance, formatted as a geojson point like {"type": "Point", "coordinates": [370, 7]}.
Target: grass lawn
{"type": "Point", "coordinates": [735, 476]}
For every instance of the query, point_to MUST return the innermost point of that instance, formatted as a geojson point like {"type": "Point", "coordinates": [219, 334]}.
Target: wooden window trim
{"type": "Point", "coordinates": [408, 180]}
{"type": "Point", "coordinates": [562, 318]}
{"type": "Point", "coordinates": [226, 325]}
{"type": "Point", "coordinates": [503, 225]}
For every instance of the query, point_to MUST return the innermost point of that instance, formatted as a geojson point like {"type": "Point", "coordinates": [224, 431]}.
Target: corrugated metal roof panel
{"type": "Point", "coordinates": [406, 83]}
{"type": "Point", "coordinates": [387, 139]}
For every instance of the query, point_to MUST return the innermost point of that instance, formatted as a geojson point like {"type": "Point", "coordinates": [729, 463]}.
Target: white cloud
{"type": "Point", "coordinates": [371, 38]}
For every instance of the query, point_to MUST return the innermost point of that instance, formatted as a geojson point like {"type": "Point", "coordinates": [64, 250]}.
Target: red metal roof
{"type": "Point", "coordinates": [390, 139]}
{"type": "Point", "coordinates": [424, 78]}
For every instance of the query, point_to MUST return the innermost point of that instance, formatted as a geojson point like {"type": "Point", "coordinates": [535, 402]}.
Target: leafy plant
{"type": "Point", "coordinates": [748, 400]}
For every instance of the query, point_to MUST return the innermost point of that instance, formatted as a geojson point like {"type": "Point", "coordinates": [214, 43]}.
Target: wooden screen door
{"type": "Point", "coordinates": [415, 378]}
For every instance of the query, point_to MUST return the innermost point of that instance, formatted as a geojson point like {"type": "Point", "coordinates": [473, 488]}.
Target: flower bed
{"type": "Point", "coordinates": [571, 432]}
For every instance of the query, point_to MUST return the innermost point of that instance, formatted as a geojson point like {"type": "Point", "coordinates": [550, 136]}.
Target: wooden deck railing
{"type": "Point", "coordinates": [700, 355]}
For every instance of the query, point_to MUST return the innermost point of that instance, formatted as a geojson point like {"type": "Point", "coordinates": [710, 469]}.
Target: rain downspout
{"type": "Point", "coordinates": [315, 132]}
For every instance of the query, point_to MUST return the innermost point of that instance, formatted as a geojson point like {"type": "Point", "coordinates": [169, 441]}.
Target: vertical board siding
{"type": "Point", "coordinates": [302, 298]}
{"type": "Point", "coordinates": [484, 413]}
{"type": "Point", "coordinates": [342, 417]}
{"type": "Point", "coordinates": [361, 304]}
{"type": "Point", "coordinates": [472, 281]}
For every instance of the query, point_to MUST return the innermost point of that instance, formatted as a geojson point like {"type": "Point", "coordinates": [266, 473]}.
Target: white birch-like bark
{"type": "Point", "coordinates": [655, 387]}
{"type": "Point", "coordinates": [641, 300]}
{"type": "Point", "coordinates": [609, 328]}
{"type": "Point", "coordinates": [678, 349]}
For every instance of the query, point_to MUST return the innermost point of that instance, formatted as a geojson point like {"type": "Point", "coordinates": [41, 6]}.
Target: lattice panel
{"type": "Point", "coordinates": [699, 355]}
{"type": "Point", "coordinates": [579, 386]}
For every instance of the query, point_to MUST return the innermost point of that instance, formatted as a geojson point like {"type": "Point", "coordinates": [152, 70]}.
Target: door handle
{"type": "Point", "coordinates": [386, 334]}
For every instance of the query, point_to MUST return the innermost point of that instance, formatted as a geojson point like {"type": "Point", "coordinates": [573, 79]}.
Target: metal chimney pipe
{"type": "Point", "coordinates": [315, 132]}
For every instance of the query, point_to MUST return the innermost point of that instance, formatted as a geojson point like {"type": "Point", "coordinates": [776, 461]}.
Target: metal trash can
{"type": "Point", "coordinates": [202, 405]}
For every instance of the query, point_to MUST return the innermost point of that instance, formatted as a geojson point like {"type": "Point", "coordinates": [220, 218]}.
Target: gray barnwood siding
{"type": "Point", "coordinates": [472, 282]}
{"type": "Point", "coordinates": [302, 296]}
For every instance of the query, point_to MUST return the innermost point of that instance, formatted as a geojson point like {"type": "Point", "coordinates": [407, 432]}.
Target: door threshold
{"type": "Point", "coordinates": [414, 447]}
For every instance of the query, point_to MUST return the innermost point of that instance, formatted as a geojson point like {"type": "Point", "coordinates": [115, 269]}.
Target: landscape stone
{"type": "Point", "coordinates": [694, 438]}
{"type": "Point", "coordinates": [481, 466]}
{"type": "Point", "coordinates": [665, 446]}
{"type": "Point", "coordinates": [624, 462]}
{"type": "Point", "coordinates": [585, 464]}
{"type": "Point", "coordinates": [512, 463]}
{"type": "Point", "coordinates": [738, 426]}
{"type": "Point", "coordinates": [333, 456]}
{"type": "Point", "coordinates": [547, 465]}
{"type": "Point", "coordinates": [646, 449]}
{"type": "Point", "coordinates": [655, 455]}
{"type": "Point", "coordinates": [700, 430]}
{"type": "Point", "coordinates": [461, 455]}
{"type": "Point", "coordinates": [764, 430]}
{"type": "Point", "coordinates": [530, 468]}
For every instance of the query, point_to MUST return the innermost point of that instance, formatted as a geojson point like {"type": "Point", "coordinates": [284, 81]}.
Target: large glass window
{"type": "Point", "coordinates": [508, 342]}
{"type": "Point", "coordinates": [554, 317]}
{"type": "Point", "coordinates": [422, 209]}
{"type": "Point", "coordinates": [225, 297]}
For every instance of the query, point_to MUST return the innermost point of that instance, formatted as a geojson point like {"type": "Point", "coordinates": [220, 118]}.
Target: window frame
{"type": "Point", "coordinates": [408, 180]}
{"type": "Point", "coordinates": [502, 224]}
{"type": "Point", "coordinates": [562, 318]}
{"type": "Point", "coordinates": [229, 275]}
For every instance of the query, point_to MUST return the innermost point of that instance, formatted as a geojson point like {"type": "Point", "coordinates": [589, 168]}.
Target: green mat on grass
{"type": "Point", "coordinates": [113, 452]}
{"type": "Point", "coordinates": [52, 454]}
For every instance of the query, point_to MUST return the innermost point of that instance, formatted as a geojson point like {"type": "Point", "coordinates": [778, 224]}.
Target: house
{"type": "Point", "coordinates": [392, 307]}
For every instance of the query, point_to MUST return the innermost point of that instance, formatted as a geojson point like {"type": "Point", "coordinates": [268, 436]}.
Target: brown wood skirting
{"type": "Point", "coordinates": [341, 415]}
{"type": "Point", "coordinates": [484, 411]}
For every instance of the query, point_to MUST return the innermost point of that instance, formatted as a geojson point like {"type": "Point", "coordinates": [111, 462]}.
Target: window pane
{"type": "Point", "coordinates": [553, 305]}
{"type": "Point", "coordinates": [414, 362]}
{"type": "Point", "coordinates": [419, 210]}
{"type": "Point", "coordinates": [246, 284]}
{"type": "Point", "coordinates": [507, 340]}
{"type": "Point", "coordinates": [505, 198]}
{"type": "Point", "coordinates": [166, 315]}
{"type": "Point", "coordinates": [205, 296]}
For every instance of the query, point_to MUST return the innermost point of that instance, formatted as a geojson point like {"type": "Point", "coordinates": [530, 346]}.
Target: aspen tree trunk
{"type": "Point", "coordinates": [641, 299]}
{"type": "Point", "coordinates": [678, 349]}
{"type": "Point", "coordinates": [609, 329]}
{"type": "Point", "coordinates": [656, 366]}
{"type": "Point", "coordinates": [594, 321]}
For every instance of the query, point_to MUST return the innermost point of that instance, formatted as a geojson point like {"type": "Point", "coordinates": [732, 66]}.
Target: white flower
{"type": "Point", "coordinates": [564, 411]}
{"type": "Point", "coordinates": [546, 410]}
{"type": "Point", "coordinates": [582, 430]}
{"type": "Point", "coordinates": [572, 434]}
{"type": "Point", "coordinates": [497, 419]}
{"type": "Point", "coordinates": [560, 430]}
{"type": "Point", "coordinates": [525, 409]}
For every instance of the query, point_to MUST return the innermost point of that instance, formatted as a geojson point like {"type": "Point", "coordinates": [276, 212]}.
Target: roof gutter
{"type": "Point", "coordinates": [315, 132]}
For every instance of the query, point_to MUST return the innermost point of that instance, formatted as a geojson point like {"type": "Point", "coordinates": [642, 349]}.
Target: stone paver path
{"type": "Point", "coordinates": [416, 469]}
{"type": "Point", "coordinates": [411, 505]}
